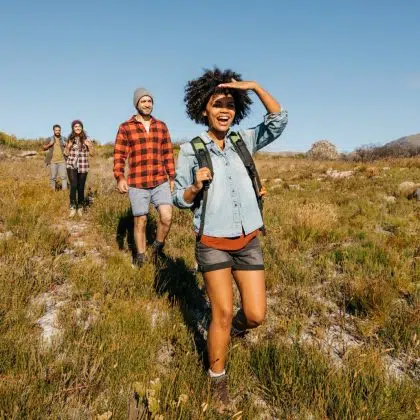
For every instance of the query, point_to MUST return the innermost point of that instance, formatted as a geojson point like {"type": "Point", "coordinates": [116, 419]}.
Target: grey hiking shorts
{"type": "Point", "coordinates": [247, 258]}
{"type": "Point", "coordinates": [140, 198]}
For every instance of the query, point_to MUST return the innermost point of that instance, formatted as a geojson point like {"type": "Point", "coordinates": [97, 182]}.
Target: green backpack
{"type": "Point", "coordinates": [204, 160]}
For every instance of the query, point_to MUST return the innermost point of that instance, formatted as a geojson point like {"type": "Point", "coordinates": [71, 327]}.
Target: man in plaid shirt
{"type": "Point", "coordinates": [147, 144]}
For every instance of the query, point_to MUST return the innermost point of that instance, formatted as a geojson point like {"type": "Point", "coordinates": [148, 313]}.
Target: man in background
{"type": "Point", "coordinates": [54, 146]}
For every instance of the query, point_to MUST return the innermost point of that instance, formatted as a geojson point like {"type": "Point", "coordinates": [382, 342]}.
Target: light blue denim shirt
{"type": "Point", "coordinates": [231, 203]}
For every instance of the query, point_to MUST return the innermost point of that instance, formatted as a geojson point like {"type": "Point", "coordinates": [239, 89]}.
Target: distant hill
{"type": "Point", "coordinates": [402, 147]}
{"type": "Point", "coordinates": [407, 141]}
{"type": "Point", "coordinates": [407, 146]}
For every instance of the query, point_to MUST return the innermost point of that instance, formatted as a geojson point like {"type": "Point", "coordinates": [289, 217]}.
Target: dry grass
{"type": "Point", "coordinates": [339, 258]}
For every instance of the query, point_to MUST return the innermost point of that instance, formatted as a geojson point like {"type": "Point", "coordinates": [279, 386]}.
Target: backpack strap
{"type": "Point", "coordinates": [249, 163]}
{"type": "Point", "coordinates": [204, 161]}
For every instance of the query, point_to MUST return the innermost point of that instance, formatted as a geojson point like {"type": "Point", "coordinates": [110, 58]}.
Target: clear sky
{"type": "Point", "coordinates": [347, 71]}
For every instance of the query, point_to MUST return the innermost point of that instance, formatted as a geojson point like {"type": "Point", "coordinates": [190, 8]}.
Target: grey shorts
{"type": "Point", "coordinates": [140, 198]}
{"type": "Point", "coordinates": [248, 258]}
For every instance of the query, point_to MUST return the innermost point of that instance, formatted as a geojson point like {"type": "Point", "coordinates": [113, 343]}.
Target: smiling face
{"type": "Point", "coordinates": [77, 128]}
{"type": "Point", "coordinates": [220, 112]}
{"type": "Point", "coordinates": [145, 105]}
{"type": "Point", "coordinates": [57, 131]}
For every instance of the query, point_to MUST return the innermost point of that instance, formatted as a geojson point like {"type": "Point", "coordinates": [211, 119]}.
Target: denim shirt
{"type": "Point", "coordinates": [231, 204]}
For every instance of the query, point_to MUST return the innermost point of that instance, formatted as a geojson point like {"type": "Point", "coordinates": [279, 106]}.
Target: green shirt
{"type": "Point", "coordinates": [57, 156]}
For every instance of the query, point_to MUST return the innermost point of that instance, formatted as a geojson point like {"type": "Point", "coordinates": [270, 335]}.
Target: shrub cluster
{"type": "Point", "coordinates": [392, 150]}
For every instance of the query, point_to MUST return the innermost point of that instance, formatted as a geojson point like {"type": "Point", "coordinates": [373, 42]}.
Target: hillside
{"type": "Point", "coordinates": [84, 335]}
{"type": "Point", "coordinates": [413, 140]}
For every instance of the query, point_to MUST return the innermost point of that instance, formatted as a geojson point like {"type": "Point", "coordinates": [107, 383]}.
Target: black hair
{"type": "Point", "coordinates": [56, 125]}
{"type": "Point", "coordinates": [199, 91]}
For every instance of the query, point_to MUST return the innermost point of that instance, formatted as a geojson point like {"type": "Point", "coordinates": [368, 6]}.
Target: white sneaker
{"type": "Point", "coordinates": [80, 212]}
{"type": "Point", "coordinates": [72, 212]}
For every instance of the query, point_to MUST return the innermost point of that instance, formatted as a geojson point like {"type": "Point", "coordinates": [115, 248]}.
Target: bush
{"type": "Point", "coordinates": [391, 150]}
{"type": "Point", "coordinates": [21, 144]}
{"type": "Point", "coordinates": [323, 150]}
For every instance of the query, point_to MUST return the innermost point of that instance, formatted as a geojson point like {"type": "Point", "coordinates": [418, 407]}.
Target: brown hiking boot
{"type": "Point", "coordinates": [220, 394]}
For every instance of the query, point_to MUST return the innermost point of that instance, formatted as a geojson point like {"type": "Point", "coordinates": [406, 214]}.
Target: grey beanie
{"type": "Point", "coordinates": [138, 94]}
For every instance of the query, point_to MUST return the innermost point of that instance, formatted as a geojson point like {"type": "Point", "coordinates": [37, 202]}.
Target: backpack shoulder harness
{"type": "Point", "coordinates": [204, 160]}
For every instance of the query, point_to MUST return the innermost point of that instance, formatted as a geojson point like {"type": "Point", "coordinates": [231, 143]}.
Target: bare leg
{"type": "Point", "coordinates": [251, 286]}
{"type": "Point", "coordinates": [164, 224]}
{"type": "Point", "coordinates": [140, 233]}
{"type": "Point", "coordinates": [219, 289]}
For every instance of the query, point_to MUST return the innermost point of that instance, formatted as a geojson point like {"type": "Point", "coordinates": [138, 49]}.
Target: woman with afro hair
{"type": "Point", "coordinates": [229, 243]}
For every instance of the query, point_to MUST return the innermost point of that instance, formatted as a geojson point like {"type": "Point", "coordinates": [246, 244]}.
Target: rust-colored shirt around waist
{"type": "Point", "coordinates": [150, 155]}
{"type": "Point", "coordinates": [229, 244]}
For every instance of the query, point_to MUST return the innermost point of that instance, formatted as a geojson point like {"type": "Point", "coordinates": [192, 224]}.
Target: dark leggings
{"type": "Point", "coordinates": [77, 187]}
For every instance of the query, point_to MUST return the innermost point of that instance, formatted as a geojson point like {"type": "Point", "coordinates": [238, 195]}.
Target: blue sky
{"type": "Point", "coordinates": [346, 71]}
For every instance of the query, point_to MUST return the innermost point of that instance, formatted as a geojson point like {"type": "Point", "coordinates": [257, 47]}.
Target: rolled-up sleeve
{"type": "Point", "coordinates": [183, 177]}
{"type": "Point", "coordinates": [265, 133]}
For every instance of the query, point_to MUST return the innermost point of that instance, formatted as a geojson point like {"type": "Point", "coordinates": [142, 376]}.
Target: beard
{"type": "Point", "coordinates": [145, 113]}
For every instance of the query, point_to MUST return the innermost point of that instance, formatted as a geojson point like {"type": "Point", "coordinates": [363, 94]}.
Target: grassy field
{"type": "Point", "coordinates": [81, 331]}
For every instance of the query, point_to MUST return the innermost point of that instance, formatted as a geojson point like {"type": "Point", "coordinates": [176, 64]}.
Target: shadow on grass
{"type": "Point", "coordinates": [125, 231]}
{"type": "Point", "coordinates": [174, 279]}
{"type": "Point", "coordinates": [179, 283]}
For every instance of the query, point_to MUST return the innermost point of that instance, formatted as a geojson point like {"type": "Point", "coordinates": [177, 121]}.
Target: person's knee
{"type": "Point", "coordinates": [223, 318]}
{"type": "Point", "coordinates": [165, 214]}
{"type": "Point", "coordinates": [166, 219]}
{"type": "Point", "coordinates": [140, 222]}
{"type": "Point", "coordinates": [255, 318]}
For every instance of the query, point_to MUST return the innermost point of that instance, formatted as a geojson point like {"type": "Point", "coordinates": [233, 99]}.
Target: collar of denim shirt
{"type": "Point", "coordinates": [213, 146]}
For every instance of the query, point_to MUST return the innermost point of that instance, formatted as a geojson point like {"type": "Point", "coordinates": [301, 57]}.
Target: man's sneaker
{"type": "Point", "coordinates": [220, 394]}
{"type": "Point", "coordinates": [80, 212]}
{"type": "Point", "coordinates": [138, 261]}
{"type": "Point", "coordinates": [72, 212]}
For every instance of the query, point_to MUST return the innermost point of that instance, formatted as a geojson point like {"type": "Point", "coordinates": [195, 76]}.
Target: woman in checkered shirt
{"type": "Point", "coordinates": [78, 148]}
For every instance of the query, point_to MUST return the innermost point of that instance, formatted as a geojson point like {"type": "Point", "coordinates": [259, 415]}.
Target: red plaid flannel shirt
{"type": "Point", "coordinates": [78, 158]}
{"type": "Point", "coordinates": [150, 155]}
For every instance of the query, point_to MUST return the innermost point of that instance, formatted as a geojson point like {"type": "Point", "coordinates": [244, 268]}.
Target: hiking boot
{"type": "Point", "coordinates": [157, 254]}
{"type": "Point", "coordinates": [236, 333]}
{"type": "Point", "coordinates": [80, 212]}
{"type": "Point", "coordinates": [72, 212]}
{"type": "Point", "coordinates": [220, 394]}
{"type": "Point", "coordinates": [238, 329]}
{"type": "Point", "coordinates": [138, 261]}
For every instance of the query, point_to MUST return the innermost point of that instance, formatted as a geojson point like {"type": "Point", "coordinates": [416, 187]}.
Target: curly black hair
{"type": "Point", "coordinates": [199, 91]}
